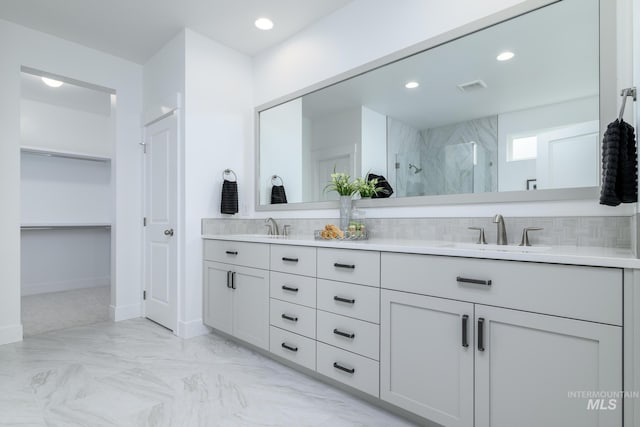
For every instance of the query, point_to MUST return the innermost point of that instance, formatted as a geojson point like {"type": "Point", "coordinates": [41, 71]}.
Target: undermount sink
{"type": "Point", "coordinates": [492, 247]}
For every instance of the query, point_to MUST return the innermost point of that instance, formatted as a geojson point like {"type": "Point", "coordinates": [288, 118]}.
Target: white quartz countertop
{"type": "Point", "coordinates": [592, 256]}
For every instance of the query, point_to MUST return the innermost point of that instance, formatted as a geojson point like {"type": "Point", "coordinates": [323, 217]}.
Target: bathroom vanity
{"type": "Point", "coordinates": [459, 336]}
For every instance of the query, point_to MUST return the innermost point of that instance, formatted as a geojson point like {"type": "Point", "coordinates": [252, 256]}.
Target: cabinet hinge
{"type": "Point", "coordinates": [144, 221]}
{"type": "Point", "coordinates": [144, 295]}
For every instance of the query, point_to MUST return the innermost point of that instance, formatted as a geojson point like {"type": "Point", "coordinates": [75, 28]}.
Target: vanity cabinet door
{"type": "Point", "coordinates": [426, 362]}
{"type": "Point", "coordinates": [218, 296]}
{"type": "Point", "coordinates": [251, 305]}
{"type": "Point", "coordinates": [528, 364]}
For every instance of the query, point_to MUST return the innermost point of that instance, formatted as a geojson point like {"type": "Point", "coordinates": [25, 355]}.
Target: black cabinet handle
{"type": "Point", "coordinates": [344, 334]}
{"type": "Point", "coordinates": [284, 258]}
{"type": "Point", "coordinates": [465, 339]}
{"type": "Point", "coordinates": [233, 280]}
{"type": "Point", "coordinates": [347, 300]}
{"type": "Point", "coordinates": [474, 281]}
{"type": "Point", "coordinates": [290, 289]}
{"type": "Point", "coordinates": [342, 368]}
{"type": "Point", "coordinates": [480, 334]}
{"type": "Point", "coordinates": [292, 318]}
{"type": "Point", "coordinates": [288, 347]}
{"type": "Point", "coordinates": [231, 252]}
{"type": "Point", "coordinates": [349, 266]}
{"type": "Point", "coordinates": [229, 279]}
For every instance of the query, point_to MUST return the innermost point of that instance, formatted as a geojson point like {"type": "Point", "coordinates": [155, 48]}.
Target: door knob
{"type": "Point", "coordinates": [168, 232]}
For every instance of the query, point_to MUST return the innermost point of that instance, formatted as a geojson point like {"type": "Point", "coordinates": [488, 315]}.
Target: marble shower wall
{"type": "Point", "coordinates": [600, 231]}
{"type": "Point", "coordinates": [454, 159]}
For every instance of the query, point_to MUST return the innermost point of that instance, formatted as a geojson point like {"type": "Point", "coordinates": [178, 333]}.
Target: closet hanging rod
{"type": "Point", "coordinates": [624, 93]}
{"type": "Point", "coordinates": [63, 227]}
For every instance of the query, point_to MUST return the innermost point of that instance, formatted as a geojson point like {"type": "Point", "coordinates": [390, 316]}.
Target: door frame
{"type": "Point", "coordinates": [172, 106]}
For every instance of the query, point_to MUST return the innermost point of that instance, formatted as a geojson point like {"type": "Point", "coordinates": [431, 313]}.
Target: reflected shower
{"type": "Point", "coordinates": [417, 169]}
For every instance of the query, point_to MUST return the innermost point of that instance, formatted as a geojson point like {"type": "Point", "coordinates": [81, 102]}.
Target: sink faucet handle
{"type": "Point", "coordinates": [286, 229]}
{"type": "Point", "coordinates": [525, 235]}
{"type": "Point", "coordinates": [481, 238]}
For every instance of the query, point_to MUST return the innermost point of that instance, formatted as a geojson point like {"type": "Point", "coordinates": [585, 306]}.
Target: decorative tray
{"type": "Point", "coordinates": [346, 235]}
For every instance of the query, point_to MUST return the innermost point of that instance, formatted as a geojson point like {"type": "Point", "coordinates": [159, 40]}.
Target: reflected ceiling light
{"type": "Point", "coordinates": [264, 23]}
{"type": "Point", "coordinates": [412, 85]}
{"type": "Point", "coordinates": [51, 82]}
{"type": "Point", "coordinates": [505, 56]}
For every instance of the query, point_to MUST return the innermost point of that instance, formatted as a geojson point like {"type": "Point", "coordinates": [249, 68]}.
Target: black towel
{"type": "Point", "coordinates": [619, 165]}
{"type": "Point", "coordinates": [229, 201]}
{"type": "Point", "coordinates": [278, 195]}
{"type": "Point", "coordinates": [382, 182]}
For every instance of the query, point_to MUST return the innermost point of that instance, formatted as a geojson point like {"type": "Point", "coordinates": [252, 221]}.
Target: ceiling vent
{"type": "Point", "coordinates": [472, 86]}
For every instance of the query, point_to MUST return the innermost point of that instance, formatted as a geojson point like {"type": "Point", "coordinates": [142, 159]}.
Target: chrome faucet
{"type": "Point", "coordinates": [502, 231]}
{"type": "Point", "coordinates": [273, 226]}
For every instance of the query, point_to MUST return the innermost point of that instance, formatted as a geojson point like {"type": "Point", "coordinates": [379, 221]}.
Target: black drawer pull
{"type": "Point", "coordinates": [474, 281]}
{"type": "Point", "coordinates": [284, 258]}
{"type": "Point", "coordinates": [288, 347]}
{"type": "Point", "coordinates": [347, 300]}
{"type": "Point", "coordinates": [229, 279]}
{"type": "Point", "coordinates": [342, 368]}
{"type": "Point", "coordinates": [344, 334]}
{"type": "Point", "coordinates": [481, 334]}
{"type": "Point", "coordinates": [292, 318]}
{"type": "Point", "coordinates": [231, 252]}
{"type": "Point", "coordinates": [288, 288]}
{"type": "Point", "coordinates": [338, 265]}
{"type": "Point", "coordinates": [465, 339]}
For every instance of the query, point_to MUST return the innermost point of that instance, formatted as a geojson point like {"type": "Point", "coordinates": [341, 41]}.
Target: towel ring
{"type": "Point", "coordinates": [274, 180]}
{"type": "Point", "coordinates": [229, 172]}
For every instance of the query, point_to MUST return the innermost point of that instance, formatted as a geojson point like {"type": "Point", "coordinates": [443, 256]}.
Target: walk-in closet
{"type": "Point", "coordinates": [67, 137]}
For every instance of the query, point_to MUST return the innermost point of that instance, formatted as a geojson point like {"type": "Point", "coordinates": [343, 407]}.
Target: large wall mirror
{"type": "Point", "coordinates": [511, 109]}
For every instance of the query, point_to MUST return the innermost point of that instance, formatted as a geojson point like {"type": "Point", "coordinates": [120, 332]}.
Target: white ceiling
{"type": "Point", "coordinates": [136, 29]}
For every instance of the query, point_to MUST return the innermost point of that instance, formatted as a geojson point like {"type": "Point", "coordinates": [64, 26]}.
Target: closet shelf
{"type": "Point", "coordinates": [59, 226]}
{"type": "Point", "coordinates": [64, 154]}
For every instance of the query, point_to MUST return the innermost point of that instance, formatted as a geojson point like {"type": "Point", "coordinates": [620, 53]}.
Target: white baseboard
{"type": "Point", "coordinates": [9, 334]}
{"type": "Point", "coordinates": [64, 285]}
{"type": "Point", "coordinates": [192, 328]}
{"type": "Point", "coordinates": [125, 312]}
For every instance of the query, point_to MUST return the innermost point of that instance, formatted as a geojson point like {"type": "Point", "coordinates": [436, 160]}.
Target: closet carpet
{"type": "Point", "coordinates": [136, 373]}
{"type": "Point", "coordinates": [60, 310]}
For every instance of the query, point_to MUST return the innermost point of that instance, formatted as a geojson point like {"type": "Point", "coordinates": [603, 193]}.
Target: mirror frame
{"type": "Point", "coordinates": [607, 111]}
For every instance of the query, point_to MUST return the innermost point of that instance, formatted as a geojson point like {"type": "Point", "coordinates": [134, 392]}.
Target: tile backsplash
{"type": "Point", "coordinates": [601, 231]}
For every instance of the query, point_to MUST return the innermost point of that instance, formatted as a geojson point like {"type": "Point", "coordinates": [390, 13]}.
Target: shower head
{"type": "Point", "coordinates": [417, 169]}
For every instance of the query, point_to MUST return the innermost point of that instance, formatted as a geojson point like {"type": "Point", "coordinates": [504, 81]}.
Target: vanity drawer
{"type": "Point", "coordinates": [349, 265]}
{"type": "Point", "coordinates": [357, 371]}
{"type": "Point", "coordinates": [349, 334]}
{"type": "Point", "coordinates": [579, 292]}
{"type": "Point", "coordinates": [293, 317]}
{"type": "Point", "coordinates": [296, 348]}
{"type": "Point", "coordinates": [293, 288]}
{"type": "Point", "coordinates": [238, 253]}
{"type": "Point", "coordinates": [293, 259]}
{"type": "Point", "coordinates": [360, 302]}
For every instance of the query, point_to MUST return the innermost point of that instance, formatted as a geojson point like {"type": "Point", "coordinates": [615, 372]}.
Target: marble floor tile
{"type": "Point", "coordinates": [135, 373]}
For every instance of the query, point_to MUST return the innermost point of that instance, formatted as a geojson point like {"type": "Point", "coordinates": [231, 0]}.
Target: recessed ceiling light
{"type": "Point", "coordinates": [412, 85]}
{"type": "Point", "coordinates": [505, 56]}
{"type": "Point", "coordinates": [52, 82]}
{"type": "Point", "coordinates": [264, 23]}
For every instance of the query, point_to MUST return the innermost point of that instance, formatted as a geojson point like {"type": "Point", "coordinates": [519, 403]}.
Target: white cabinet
{"type": "Point", "coordinates": [236, 301]}
{"type": "Point", "coordinates": [426, 362]}
{"type": "Point", "coordinates": [520, 367]}
{"type": "Point", "coordinates": [531, 364]}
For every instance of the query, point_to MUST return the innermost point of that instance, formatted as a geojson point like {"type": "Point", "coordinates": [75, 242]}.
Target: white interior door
{"type": "Point", "coordinates": [568, 157]}
{"type": "Point", "coordinates": [160, 241]}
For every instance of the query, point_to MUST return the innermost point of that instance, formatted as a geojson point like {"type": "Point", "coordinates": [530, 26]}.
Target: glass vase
{"type": "Point", "coordinates": [345, 212]}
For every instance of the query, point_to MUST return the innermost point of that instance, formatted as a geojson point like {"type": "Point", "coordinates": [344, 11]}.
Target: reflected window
{"type": "Point", "coordinates": [524, 148]}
